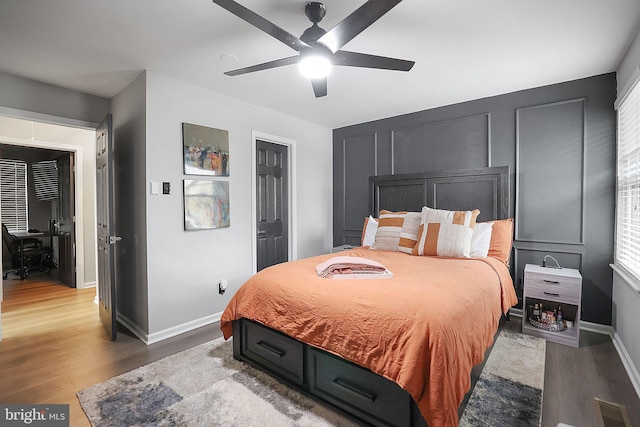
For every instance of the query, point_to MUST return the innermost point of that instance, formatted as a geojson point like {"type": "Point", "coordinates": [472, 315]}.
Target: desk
{"type": "Point", "coordinates": [21, 235]}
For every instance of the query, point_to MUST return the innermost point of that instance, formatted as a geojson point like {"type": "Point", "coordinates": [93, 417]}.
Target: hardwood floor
{"type": "Point", "coordinates": [54, 345]}
{"type": "Point", "coordinates": [575, 376]}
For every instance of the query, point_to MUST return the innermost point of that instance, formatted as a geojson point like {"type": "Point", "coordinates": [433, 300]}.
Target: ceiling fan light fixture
{"type": "Point", "coordinates": [315, 66]}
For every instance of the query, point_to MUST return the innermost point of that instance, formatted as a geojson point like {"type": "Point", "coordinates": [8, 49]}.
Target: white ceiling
{"type": "Point", "coordinates": [464, 49]}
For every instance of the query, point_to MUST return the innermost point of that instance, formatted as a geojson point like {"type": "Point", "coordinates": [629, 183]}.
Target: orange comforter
{"type": "Point", "coordinates": [425, 328]}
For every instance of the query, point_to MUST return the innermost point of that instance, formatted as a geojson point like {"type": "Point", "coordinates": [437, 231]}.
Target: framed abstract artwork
{"type": "Point", "coordinates": [205, 150]}
{"type": "Point", "coordinates": [206, 204]}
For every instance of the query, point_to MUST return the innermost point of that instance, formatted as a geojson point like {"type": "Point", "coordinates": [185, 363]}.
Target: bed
{"type": "Point", "coordinates": [396, 351]}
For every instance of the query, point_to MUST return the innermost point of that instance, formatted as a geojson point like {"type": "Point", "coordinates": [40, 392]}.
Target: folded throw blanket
{"type": "Point", "coordinates": [349, 265]}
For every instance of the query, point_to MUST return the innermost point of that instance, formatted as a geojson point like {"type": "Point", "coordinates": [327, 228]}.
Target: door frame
{"type": "Point", "coordinates": [79, 197]}
{"type": "Point", "coordinates": [291, 165]}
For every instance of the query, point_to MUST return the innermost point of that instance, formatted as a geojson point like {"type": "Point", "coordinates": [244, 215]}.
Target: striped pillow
{"type": "Point", "coordinates": [397, 231]}
{"type": "Point", "coordinates": [441, 216]}
{"type": "Point", "coordinates": [442, 239]}
{"type": "Point", "coordinates": [467, 218]}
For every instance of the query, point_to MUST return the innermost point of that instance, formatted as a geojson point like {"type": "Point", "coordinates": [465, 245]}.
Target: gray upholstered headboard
{"type": "Point", "coordinates": [486, 189]}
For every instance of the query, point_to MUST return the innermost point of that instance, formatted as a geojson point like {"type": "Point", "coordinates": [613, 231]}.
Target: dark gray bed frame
{"type": "Point", "coordinates": [346, 387]}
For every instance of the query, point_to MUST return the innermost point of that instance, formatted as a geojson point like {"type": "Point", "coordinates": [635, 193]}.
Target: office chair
{"type": "Point", "coordinates": [34, 254]}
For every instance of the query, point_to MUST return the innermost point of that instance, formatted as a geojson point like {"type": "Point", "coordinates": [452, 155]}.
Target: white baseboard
{"type": "Point", "coordinates": [597, 328]}
{"type": "Point", "coordinates": [631, 369]}
{"type": "Point", "coordinates": [173, 331]}
{"type": "Point", "coordinates": [516, 312]}
{"type": "Point", "coordinates": [181, 329]}
{"type": "Point", "coordinates": [132, 327]}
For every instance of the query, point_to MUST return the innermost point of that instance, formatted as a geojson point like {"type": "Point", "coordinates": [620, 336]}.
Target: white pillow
{"type": "Point", "coordinates": [370, 231]}
{"type": "Point", "coordinates": [481, 240]}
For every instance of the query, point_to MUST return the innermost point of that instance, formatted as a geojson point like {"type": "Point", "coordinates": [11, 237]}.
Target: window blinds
{"type": "Point", "coordinates": [45, 179]}
{"type": "Point", "coordinates": [627, 253]}
{"type": "Point", "coordinates": [13, 194]}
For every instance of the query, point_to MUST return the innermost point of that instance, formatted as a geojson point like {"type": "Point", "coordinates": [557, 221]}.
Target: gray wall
{"type": "Point", "coordinates": [559, 142]}
{"type": "Point", "coordinates": [130, 139]}
{"type": "Point", "coordinates": [37, 97]}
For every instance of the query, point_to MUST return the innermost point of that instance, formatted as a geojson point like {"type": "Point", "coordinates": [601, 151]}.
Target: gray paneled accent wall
{"type": "Point", "coordinates": [426, 147]}
{"type": "Point", "coordinates": [550, 142]}
{"type": "Point", "coordinates": [361, 153]}
{"type": "Point", "coordinates": [559, 142]}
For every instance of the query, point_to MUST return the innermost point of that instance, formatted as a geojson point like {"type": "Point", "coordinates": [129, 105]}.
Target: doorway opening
{"type": "Point", "coordinates": [48, 211]}
{"type": "Point", "coordinates": [74, 145]}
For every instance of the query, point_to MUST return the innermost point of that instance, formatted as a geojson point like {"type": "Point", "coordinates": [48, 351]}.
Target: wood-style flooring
{"type": "Point", "coordinates": [54, 345]}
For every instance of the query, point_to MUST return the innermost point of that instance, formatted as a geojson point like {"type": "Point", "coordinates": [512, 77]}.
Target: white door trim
{"type": "Point", "coordinates": [291, 145]}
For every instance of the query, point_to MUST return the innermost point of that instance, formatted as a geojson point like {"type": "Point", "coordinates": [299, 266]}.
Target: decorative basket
{"type": "Point", "coordinates": [552, 327]}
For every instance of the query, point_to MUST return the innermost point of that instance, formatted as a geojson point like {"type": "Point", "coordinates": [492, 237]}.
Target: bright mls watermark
{"type": "Point", "coordinates": [34, 415]}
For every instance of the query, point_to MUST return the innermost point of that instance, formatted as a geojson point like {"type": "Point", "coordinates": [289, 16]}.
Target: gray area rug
{"type": "Point", "coordinates": [205, 386]}
{"type": "Point", "coordinates": [509, 391]}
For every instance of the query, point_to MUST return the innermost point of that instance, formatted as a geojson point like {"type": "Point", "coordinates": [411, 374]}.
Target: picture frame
{"type": "Point", "coordinates": [206, 204]}
{"type": "Point", "coordinates": [205, 150]}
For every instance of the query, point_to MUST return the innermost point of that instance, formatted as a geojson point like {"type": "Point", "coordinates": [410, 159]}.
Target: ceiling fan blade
{"type": "Point", "coordinates": [262, 24]}
{"type": "Point", "coordinates": [265, 66]}
{"type": "Point", "coordinates": [355, 23]}
{"type": "Point", "coordinates": [319, 86]}
{"type": "Point", "coordinates": [354, 59]}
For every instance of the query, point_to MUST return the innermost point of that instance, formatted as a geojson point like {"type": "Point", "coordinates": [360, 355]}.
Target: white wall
{"type": "Point", "coordinates": [184, 267]}
{"type": "Point", "coordinates": [37, 134]}
{"type": "Point", "coordinates": [628, 67]}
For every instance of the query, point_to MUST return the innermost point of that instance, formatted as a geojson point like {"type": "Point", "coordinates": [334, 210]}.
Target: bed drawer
{"type": "Point", "coordinates": [272, 350]}
{"type": "Point", "coordinates": [356, 389]}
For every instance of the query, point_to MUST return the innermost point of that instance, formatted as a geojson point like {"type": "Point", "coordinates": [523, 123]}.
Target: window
{"type": "Point", "coordinates": [628, 189]}
{"type": "Point", "coordinates": [13, 194]}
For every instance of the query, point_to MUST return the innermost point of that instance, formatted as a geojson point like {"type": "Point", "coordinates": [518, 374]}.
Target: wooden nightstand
{"type": "Point", "coordinates": [553, 288]}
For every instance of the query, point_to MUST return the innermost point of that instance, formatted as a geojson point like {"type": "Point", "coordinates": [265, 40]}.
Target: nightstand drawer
{"type": "Point", "coordinates": [551, 280]}
{"type": "Point", "coordinates": [561, 292]}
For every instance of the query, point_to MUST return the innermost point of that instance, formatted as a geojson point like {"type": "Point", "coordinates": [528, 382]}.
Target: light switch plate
{"type": "Point", "coordinates": [155, 188]}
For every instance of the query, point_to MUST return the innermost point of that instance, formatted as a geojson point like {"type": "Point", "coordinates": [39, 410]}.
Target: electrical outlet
{"type": "Point", "coordinates": [166, 188]}
{"type": "Point", "coordinates": [222, 286]}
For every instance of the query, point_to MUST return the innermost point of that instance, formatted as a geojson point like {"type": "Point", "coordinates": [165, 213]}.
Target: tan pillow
{"type": "Point", "coordinates": [501, 240]}
{"type": "Point", "coordinates": [397, 231]}
{"type": "Point", "coordinates": [442, 239]}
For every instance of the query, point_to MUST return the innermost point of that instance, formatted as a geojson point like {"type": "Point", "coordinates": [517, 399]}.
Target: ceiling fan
{"type": "Point", "coordinates": [318, 49]}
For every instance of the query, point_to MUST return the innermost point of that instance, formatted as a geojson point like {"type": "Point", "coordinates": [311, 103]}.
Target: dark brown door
{"type": "Point", "coordinates": [106, 227]}
{"type": "Point", "coordinates": [272, 204]}
{"type": "Point", "coordinates": [66, 220]}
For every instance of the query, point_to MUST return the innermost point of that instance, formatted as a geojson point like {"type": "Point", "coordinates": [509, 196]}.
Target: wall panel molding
{"type": "Point", "coordinates": [436, 145]}
{"type": "Point", "coordinates": [550, 172]}
{"type": "Point", "coordinates": [359, 154]}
